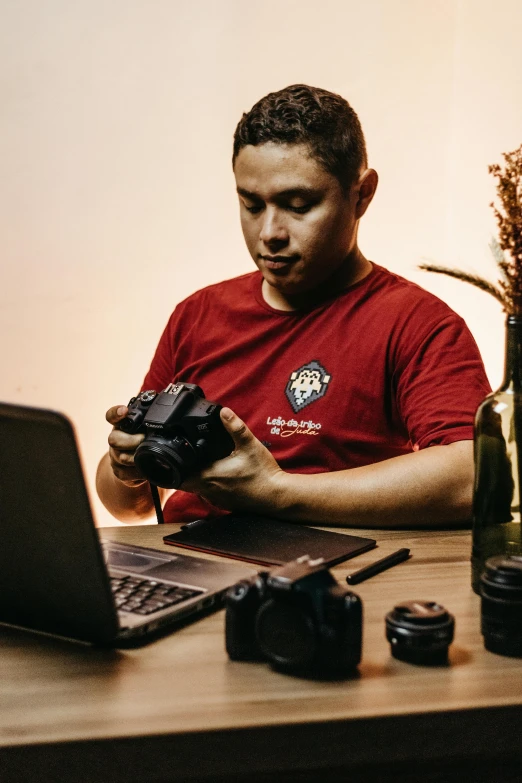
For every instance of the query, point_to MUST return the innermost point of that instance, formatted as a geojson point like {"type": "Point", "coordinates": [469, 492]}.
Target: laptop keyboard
{"type": "Point", "coordinates": [144, 596]}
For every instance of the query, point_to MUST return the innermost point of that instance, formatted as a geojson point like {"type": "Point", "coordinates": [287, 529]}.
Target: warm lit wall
{"type": "Point", "coordinates": [117, 195]}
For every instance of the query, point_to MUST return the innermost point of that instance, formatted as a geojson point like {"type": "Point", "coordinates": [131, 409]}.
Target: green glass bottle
{"type": "Point", "coordinates": [498, 462]}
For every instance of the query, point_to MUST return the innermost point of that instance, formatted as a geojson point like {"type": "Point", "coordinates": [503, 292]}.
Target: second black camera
{"type": "Point", "coordinates": [297, 617]}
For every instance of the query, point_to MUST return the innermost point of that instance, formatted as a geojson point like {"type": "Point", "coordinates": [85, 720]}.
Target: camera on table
{"type": "Point", "coordinates": [183, 433]}
{"type": "Point", "coordinates": [297, 617]}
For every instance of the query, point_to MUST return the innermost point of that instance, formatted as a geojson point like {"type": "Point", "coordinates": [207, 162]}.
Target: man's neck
{"type": "Point", "coordinates": [355, 268]}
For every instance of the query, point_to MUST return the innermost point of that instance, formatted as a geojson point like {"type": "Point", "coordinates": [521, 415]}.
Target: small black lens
{"type": "Point", "coordinates": [165, 463]}
{"type": "Point", "coordinates": [420, 632]}
{"type": "Point", "coordinates": [159, 471]}
{"type": "Point", "coordinates": [501, 605]}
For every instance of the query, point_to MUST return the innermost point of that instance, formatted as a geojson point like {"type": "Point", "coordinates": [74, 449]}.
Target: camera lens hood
{"type": "Point", "coordinates": [501, 605]}
{"type": "Point", "coordinates": [420, 632]}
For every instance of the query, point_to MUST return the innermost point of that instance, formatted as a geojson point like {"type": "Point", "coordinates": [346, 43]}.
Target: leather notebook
{"type": "Point", "coordinates": [266, 541]}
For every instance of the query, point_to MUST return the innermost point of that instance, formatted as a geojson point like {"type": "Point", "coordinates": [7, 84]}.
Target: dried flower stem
{"type": "Point", "coordinates": [507, 251]}
{"type": "Point", "coordinates": [479, 282]}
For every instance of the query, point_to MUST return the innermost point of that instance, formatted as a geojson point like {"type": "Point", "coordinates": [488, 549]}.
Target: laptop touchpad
{"type": "Point", "coordinates": [116, 558]}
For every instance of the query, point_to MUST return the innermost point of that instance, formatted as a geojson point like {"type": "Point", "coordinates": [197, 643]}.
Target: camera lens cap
{"type": "Point", "coordinates": [420, 632]}
{"type": "Point", "coordinates": [504, 572]}
{"type": "Point", "coordinates": [501, 605]}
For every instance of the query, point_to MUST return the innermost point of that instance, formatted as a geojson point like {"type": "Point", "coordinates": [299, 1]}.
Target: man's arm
{"type": "Point", "coordinates": [425, 488]}
{"type": "Point", "coordinates": [121, 488]}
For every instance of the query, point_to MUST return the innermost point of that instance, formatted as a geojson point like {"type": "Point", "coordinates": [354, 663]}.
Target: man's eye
{"type": "Point", "coordinates": [302, 209]}
{"type": "Point", "coordinates": [254, 209]}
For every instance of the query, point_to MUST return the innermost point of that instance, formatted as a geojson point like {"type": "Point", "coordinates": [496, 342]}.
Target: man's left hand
{"type": "Point", "coordinates": [249, 478]}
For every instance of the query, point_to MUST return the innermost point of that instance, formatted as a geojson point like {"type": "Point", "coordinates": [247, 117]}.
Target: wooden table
{"type": "Point", "coordinates": [179, 710]}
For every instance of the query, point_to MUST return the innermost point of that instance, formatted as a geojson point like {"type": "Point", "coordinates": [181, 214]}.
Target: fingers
{"type": "Point", "coordinates": [122, 447]}
{"type": "Point", "coordinates": [122, 459]}
{"type": "Point", "coordinates": [131, 476]}
{"type": "Point", "coordinates": [237, 428]}
{"type": "Point", "coordinates": [124, 442]}
{"type": "Point", "coordinates": [116, 413]}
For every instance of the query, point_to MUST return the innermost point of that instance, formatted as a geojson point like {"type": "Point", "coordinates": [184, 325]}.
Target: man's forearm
{"type": "Point", "coordinates": [126, 503]}
{"type": "Point", "coordinates": [429, 487]}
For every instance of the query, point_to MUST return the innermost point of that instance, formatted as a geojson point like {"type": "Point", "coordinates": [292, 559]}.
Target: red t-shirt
{"type": "Point", "coordinates": [383, 369]}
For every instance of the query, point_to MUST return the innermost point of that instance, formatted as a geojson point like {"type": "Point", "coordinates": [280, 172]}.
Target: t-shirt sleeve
{"type": "Point", "coordinates": [440, 384]}
{"type": "Point", "coordinates": [162, 368]}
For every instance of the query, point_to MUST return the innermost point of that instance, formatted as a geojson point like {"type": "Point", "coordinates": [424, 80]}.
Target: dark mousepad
{"type": "Point", "coordinates": [266, 541]}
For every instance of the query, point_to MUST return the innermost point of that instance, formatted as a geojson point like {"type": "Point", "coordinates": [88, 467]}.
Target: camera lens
{"type": "Point", "coordinates": [286, 634]}
{"type": "Point", "coordinates": [501, 605]}
{"type": "Point", "coordinates": [420, 632]}
{"type": "Point", "coordinates": [165, 462]}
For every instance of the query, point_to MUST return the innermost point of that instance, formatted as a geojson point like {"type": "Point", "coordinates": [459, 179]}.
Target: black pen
{"type": "Point", "coordinates": [378, 566]}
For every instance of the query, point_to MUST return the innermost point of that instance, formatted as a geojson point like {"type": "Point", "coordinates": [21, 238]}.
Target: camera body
{"type": "Point", "coordinates": [183, 433]}
{"type": "Point", "coordinates": [297, 617]}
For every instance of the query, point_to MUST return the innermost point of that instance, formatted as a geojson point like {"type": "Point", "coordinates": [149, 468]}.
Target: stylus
{"type": "Point", "coordinates": [378, 566]}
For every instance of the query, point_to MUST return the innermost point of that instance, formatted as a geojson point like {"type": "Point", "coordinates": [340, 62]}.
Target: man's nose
{"type": "Point", "coordinates": [273, 229]}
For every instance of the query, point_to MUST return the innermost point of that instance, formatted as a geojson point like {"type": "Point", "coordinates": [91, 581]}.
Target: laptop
{"type": "Point", "coordinates": [56, 575]}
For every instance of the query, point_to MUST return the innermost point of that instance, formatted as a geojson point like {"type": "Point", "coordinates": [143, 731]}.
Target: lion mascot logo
{"type": "Point", "coordinates": [306, 385]}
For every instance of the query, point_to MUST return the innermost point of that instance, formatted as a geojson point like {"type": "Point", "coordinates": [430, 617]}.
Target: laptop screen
{"type": "Point", "coordinates": [52, 573]}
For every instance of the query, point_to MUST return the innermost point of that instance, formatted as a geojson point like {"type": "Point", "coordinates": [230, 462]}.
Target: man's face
{"type": "Point", "coordinates": [298, 224]}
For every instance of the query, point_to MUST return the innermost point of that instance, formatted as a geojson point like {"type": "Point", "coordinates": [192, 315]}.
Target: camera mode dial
{"type": "Point", "coordinates": [147, 396]}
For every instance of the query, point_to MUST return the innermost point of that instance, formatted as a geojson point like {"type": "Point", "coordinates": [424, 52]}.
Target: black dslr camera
{"type": "Point", "coordinates": [298, 617]}
{"type": "Point", "coordinates": [183, 433]}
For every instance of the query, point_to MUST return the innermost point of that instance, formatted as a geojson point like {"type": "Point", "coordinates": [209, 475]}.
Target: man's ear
{"type": "Point", "coordinates": [366, 187]}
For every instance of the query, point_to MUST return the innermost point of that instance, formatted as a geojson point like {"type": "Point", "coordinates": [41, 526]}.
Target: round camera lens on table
{"type": "Point", "coordinates": [501, 605]}
{"type": "Point", "coordinates": [420, 632]}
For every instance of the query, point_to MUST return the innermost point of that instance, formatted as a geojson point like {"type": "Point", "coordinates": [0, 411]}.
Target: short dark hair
{"type": "Point", "coordinates": [300, 114]}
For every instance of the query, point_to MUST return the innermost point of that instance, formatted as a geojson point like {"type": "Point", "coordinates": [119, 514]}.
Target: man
{"type": "Point", "coordinates": [349, 391]}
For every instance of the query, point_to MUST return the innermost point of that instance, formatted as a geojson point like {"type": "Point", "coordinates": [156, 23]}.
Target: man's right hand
{"type": "Point", "coordinates": [121, 449]}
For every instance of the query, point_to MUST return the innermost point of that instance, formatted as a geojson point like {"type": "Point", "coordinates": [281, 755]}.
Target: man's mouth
{"type": "Point", "coordinates": [279, 262]}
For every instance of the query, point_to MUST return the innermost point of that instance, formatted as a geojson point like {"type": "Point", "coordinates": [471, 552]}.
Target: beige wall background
{"type": "Point", "coordinates": [117, 195]}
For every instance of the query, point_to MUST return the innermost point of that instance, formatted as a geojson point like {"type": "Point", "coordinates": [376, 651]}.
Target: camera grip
{"type": "Point", "coordinates": [241, 604]}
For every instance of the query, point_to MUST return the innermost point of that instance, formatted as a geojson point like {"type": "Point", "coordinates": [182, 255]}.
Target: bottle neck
{"type": "Point", "coordinates": [513, 358]}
